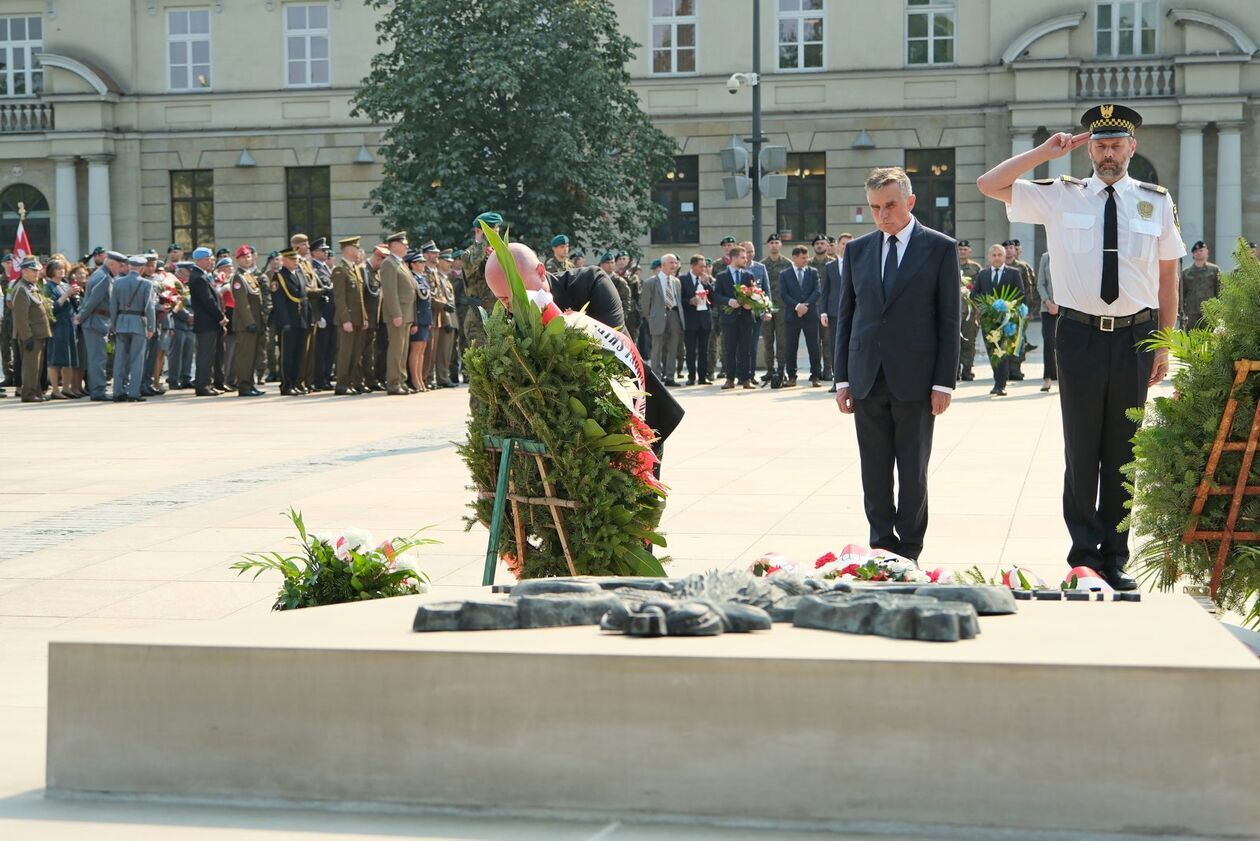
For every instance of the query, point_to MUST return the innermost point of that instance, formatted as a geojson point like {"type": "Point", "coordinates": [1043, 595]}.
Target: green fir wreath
{"type": "Point", "coordinates": [555, 384]}
{"type": "Point", "coordinates": [1172, 446]}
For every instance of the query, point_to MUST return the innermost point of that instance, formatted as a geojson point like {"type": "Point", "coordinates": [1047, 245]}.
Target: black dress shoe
{"type": "Point", "coordinates": [672, 383]}
{"type": "Point", "coordinates": [1119, 580]}
{"type": "Point", "coordinates": [831, 390]}
{"type": "Point", "coordinates": [706, 381]}
{"type": "Point", "coordinates": [998, 392]}
{"type": "Point", "coordinates": [966, 376]}
{"type": "Point", "coordinates": [137, 399]}
{"type": "Point", "coordinates": [288, 392]}
{"type": "Point", "coordinates": [120, 398]}
{"type": "Point", "coordinates": [206, 392]}
{"type": "Point", "coordinates": [1017, 377]}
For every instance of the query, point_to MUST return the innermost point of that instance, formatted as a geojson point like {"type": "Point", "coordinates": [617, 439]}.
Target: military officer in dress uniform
{"type": "Point", "coordinates": [375, 342]}
{"type": "Point", "coordinates": [326, 330]}
{"type": "Point", "coordinates": [94, 319]}
{"type": "Point", "coordinates": [475, 288]}
{"type": "Point", "coordinates": [437, 363]}
{"type": "Point", "coordinates": [968, 269]}
{"type": "Point", "coordinates": [247, 322]}
{"type": "Point", "coordinates": [31, 329]}
{"type": "Point", "coordinates": [1200, 281]}
{"type": "Point", "coordinates": [1114, 244]}
{"type": "Point", "coordinates": [350, 318]}
{"type": "Point", "coordinates": [314, 296]}
{"type": "Point", "coordinates": [774, 331]}
{"type": "Point", "coordinates": [292, 315]}
{"type": "Point", "coordinates": [455, 286]}
{"type": "Point", "coordinates": [398, 304]}
{"type": "Point", "coordinates": [559, 260]}
{"type": "Point", "coordinates": [132, 311]}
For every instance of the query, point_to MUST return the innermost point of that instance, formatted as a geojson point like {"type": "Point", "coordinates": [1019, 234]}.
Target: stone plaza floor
{"type": "Point", "coordinates": [125, 516]}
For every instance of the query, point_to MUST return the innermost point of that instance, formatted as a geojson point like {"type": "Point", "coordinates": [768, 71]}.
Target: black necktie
{"type": "Point", "coordinates": [890, 267]}
{"type": "Point", "coordinates": [1111, 250]}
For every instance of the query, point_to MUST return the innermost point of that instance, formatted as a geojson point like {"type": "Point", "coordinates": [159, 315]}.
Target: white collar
{"type": "Point", "coordinates": [1097, 185]}
{"type": "Point", "coordinates": [903, 236]}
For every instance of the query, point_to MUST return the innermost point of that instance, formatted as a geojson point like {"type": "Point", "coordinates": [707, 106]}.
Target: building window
{"type": "Point", "coordinates": [673, 36]}
{"type": "Point", "coordinates": [308, 201]}
{"type": "Point", "coordinates": [804, 212]}
{"type": "Point", "coordinates": [192, 207]}
{"type": "Point", "coordinates": [20, 74]}
{"type": "Point", "coordinates": [307, 63]}
{"type": "Point", "coordinates": [1126, 28]}
{"type": "Point", "coordinates": [678, 193]}
{"type": "Point", "coordinates": [930, 31]}
{"type": "Point", "coordinates": [188, 49]}
{"type": "Point", "coordinates": [931, 173]}
{"type": "Point", "coordinates": [801, 34]}
{"type": "Point", "coordinates": [35, 206]}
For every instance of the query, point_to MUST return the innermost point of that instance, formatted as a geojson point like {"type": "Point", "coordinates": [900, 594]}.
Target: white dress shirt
{"type": "Point", "coordinates": [1073, 214]}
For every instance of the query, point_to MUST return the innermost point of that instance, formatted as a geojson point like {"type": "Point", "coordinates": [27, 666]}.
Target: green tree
{"type": "Point", "coordinates": [519, 106]}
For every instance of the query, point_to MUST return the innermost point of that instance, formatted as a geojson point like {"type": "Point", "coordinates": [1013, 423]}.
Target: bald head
{"type": "Point", "coordinates": [532, 272]}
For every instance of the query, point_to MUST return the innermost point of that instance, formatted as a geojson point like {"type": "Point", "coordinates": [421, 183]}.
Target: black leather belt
{"type": "Point", "coordinates": [1109, 323]}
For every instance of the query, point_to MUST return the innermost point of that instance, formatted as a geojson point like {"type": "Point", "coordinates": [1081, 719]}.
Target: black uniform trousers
{"type": "Point", "coordinates": [737, 346]}
{"type": "Point", "coordinates": [696, 344]}
{"type": "Point", "coordinates": [795, 327]}
{"type": "Point", "coordinates": [894, 433]}
{"type": "Point", "coordinates": [1049, 341]}
{"type": "Point", "coordinates": [206, 346]}
{"type": "Point", "coordinates": [292, 354]}
{"type": "Point", "coordinates": [1101, 376]}
{"type": "Point", "coordinates": [1001, 367]}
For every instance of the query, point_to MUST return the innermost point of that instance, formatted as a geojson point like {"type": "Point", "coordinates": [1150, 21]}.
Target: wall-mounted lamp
{"type": "Point", "coordinates": [863, 141]}
{"type": "Point", "coordinates": [246, 159]}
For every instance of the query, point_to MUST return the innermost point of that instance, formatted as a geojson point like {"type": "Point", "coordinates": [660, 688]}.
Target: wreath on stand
{"type": "Point", "coordinates": [1172, 446]}
{"type": "Point", "coordinates": [557, 385]}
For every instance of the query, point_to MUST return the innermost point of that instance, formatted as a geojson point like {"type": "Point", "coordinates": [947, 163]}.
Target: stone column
{"type": "Point", "coordinates": [67, 207]}
{"type": "Point", "coordinates": [1228, 191]}
{"type": "Point", "coordinates": [100, 215]}
{"type": "Point", "coordinates": [1022, 141]}
{"type": "Point", "coordinates": [1189, 195]}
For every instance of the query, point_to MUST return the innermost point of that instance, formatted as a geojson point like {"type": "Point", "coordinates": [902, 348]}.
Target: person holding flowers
{"type": "Point", "coordinates": [992, 291]}
{"type": "Point", "coordinates": [733, 291]}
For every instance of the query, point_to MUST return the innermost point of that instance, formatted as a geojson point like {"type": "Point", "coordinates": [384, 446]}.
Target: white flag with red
{"type": "Point", "coordinates": [21, 250]}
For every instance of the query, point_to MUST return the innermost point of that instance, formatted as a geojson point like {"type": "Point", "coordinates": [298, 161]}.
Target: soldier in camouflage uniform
{"type": "Point", "coordinates": [1200, 281]}
{"type": "Point", "coordinates": [1028, 282]}
{"type": "Point", "coordinates": [475, 288]}
{"type": "Point", "coordinates": [608, 264]}
{"type": "Point", "coordinates": [559, 260]}
{"type": "Point", "coordinates": [968, 269]}
{"type": "Point", "coordinates": [773, 332]}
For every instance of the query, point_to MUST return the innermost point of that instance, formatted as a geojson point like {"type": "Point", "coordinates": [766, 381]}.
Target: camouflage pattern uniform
{"type": "Point", "coordinates": [970, 322]}
{"type": "Point", "coordinates": [774, 331]}
{"type": "Point", "coordinates": [1198, 283]}
{"type": "Point", "coordinates": [476, 292]}
{"type": "Point", "coordinates": [555, 266]}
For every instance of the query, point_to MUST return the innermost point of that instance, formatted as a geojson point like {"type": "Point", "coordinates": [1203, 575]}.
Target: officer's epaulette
{"type": "Point", "coordinates": [1044, 182]}
{"type": "Point", "coordinates": [1076, 182]}
{"type": "Point", "coordinates": [1154, 188]}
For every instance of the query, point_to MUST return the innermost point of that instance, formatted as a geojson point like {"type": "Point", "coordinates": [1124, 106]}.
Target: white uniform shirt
{"type": "Point", "coordinates": [1072, 212]}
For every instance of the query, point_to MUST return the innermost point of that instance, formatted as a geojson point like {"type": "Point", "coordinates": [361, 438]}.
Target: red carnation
{"type": "Point", "coordinates": [851, 569]}
{"type": "Point", "coordinates": [824, 560]}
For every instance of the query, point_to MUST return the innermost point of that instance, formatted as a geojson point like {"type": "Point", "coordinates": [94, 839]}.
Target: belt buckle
{"type": "Point", "coordinates": [1107, 323]}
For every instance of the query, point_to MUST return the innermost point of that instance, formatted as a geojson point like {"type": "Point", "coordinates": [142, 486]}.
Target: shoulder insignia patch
{"type": "Point", "coordinates": [1044, 182]}
{"type": "Point", "coordinates": [1067, 179]}
{"type": "Point", "coordinates": [1154, 188]}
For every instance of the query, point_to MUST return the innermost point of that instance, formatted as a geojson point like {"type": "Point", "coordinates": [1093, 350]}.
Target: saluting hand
{"type": "Point", "coordinates": [1058, 145]}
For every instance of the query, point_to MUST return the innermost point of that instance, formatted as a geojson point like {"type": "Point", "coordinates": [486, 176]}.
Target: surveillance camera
{"type": "Point", "coordinates": [734, 83]}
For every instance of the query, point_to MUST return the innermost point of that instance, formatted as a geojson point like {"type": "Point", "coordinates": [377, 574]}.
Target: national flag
{"type": "Point", "coordinates": [21, 250]}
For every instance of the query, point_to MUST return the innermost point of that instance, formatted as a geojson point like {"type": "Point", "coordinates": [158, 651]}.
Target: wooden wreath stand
{"type": "Point", "coordinates": [505, 494]}
{"type": "Point", "coordinates": [1208, 486]}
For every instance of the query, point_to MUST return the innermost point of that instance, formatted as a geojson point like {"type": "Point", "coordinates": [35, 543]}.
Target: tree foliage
{"type": "Point", "coordinates": [1172, 447]}
{"type": "Point", "coordinates": [519, 106]}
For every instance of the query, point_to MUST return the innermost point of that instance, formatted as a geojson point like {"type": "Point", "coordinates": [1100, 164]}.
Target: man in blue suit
{"type": "Point", "coordinates": [736, 321]}
{"type": "Point", "coordinates": [799, 286]}
{"type": "Point", "coordinates": [896, 360]}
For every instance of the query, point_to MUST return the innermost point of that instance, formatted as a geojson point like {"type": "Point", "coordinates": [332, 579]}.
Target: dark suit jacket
{"type": "Point", "coordinates": [829, 299]}
{"type": "Point", "coordinates": [207, 307]}
{"type": "Point", "coordinates": [724, 290]}
{"type": "Point", "coordinates": [694, 319]}
{"type": "Point", "coordinates": [589, 287]}
{"type": "Point", "coordinates": [982, 283]}
{"type": "Point", "coordinates": [806, 292]}
{"type": "Point", "coordinates": [913, 335]}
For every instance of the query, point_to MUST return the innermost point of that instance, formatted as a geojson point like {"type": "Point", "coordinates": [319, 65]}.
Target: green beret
{"type": "Point", "coordinates": [457, 253]}
{"type": "Point", "coordinates": [728, 238]}
{"type": "Point", "coordinates": [620, 254]}
{"type": "Point", "coordinates": [559, 239]}
{"type": "Point", "coordinates": [607, 257]}
{"type": "Point", "coordinates": [656, 264]}
{"type": "Point", "coordinates": [490, 218]}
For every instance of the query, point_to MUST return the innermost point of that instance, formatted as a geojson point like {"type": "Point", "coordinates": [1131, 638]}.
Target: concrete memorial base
{"type": "Point", "coordinates": [1082, 717]}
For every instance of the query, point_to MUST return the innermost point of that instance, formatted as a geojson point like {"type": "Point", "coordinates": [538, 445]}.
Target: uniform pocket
{"type": "Point", "coordinates": [1078, 230]}
{"type": "Point", "coordinates": [1143, 234]}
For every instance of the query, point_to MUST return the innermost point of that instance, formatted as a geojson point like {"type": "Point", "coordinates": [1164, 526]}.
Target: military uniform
{"type": "Point", "coordinates": [437, 363]}
{"type": "Point", "coordinates": [774, 332]}
{"type": "Point", "coordinates": [1028, 279]}
{"type": "Point", "coordinates": [375, 339]}
{"type": "Point", "coordinates": [826, 335]}
{"type": "Point", "coordinates": [351, 307]}
{"type": "Point", "coordinates": [398, 303]}
{"type": "Point", "coordinates": [555, 266]}
{"type": "Point", "coordinates": [132, 311]}
{"type": "Point", "coordinates": [314, 292]}
{"type": "Point", "coordinates": [476, 290]}
{"type": "Point", "coordinates": [292, 315]}
{"type": "Point", "coordinates": [31, 331]}
{"type": "Point", "coordinates": [970, 322]}
{"type": "Point", "coordinates": [248, 321]}
{"type": "Point", "coordinates": [1198, 284]}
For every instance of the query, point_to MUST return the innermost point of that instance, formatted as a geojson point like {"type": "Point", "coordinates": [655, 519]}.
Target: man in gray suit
{"type": "Point", "coordinates": [94, 318]}
{"type": "Point", "coordinates": [132, 310]}
{"type": "Point", "coordinates": [662, 297]}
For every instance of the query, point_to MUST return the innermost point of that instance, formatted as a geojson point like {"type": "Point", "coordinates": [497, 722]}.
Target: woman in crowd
{"type": "Point", "coordinates": [63, 347]}
{"type": "Point", "coordinates": [424, 321]}
{"type": "Point", "coordinates": [79, 274]}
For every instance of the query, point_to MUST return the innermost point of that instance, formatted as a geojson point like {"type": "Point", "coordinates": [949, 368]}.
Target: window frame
{"type": "Point", "coordinates": [188, 39]}
{"type": "Point", "coordinates": [32, 74]}
{"type": "Point", "coordinates": [797, 163]}
{"type": "Point", "coordinates": [38, 221]}
{"type": "Point", "coordinates": [307, 35]}
{"type": "Point", "coordinates": [931, 10]}
{"type": "Point", "coordinates": [1114, 29]}
{"type": "Point", "coordinates": [673, 21]}
{"type": "Point", "coordinates": [674, 215]}
{"type": "Point", "coordinates": [800, 16]}
{"type": "Point", "coordinates": [308, 198]}
{"type": "Point", "coordinates": [196, 236]}
{"type": "Point", "coordinates": [927, 186]}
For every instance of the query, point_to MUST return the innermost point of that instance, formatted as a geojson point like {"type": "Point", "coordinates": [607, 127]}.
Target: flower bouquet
{"type": "Point", "coordinates": [339, 567]}
{"type": "Point", "coordinates": [968, 305]}
{"type": "Point", "coordinates": [1003, 319]}
{"type": "Point", "coordinates": [753, 298]}
{"type": "Point", "coordinates": [874, 565]}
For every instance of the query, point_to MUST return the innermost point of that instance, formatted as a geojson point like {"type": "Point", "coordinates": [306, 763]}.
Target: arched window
{"type": "Point", "coordinates": [37, 226]}
{"type": "Point", "coordinates": [1140, 169]}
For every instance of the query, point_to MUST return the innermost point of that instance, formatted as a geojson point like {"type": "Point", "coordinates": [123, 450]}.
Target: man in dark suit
{"type": "Point", "coordinates": [829, 304]}
{"type": "Point", "coordinates": [896, 360]}
{"type": "Point", "coordinates": [987, 282]}
{"type": "Point", "coordinates": [697, 314]}
{"type": "Point", "coordinates": [209, 319]}
{"type": "Point", "coordinates": [800, 290]}
{"type": "Point", "coordinates": [737, 320]}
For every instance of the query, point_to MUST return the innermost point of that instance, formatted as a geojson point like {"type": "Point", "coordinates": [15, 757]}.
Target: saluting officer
{"type": "Point", "coordinates": [1115, 244]}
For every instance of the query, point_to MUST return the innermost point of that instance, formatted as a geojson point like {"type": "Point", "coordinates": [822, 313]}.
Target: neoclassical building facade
{"type": "Point", "coordinates": [140, 122]}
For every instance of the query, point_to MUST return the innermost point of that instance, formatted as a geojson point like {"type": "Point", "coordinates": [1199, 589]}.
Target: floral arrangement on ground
{"type": "Point", "coordinates": [1172, 446]}
{"type": "Point", "coordinates": [556, 385]}
{"type": "Point", "coordinates": [344, 566]}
